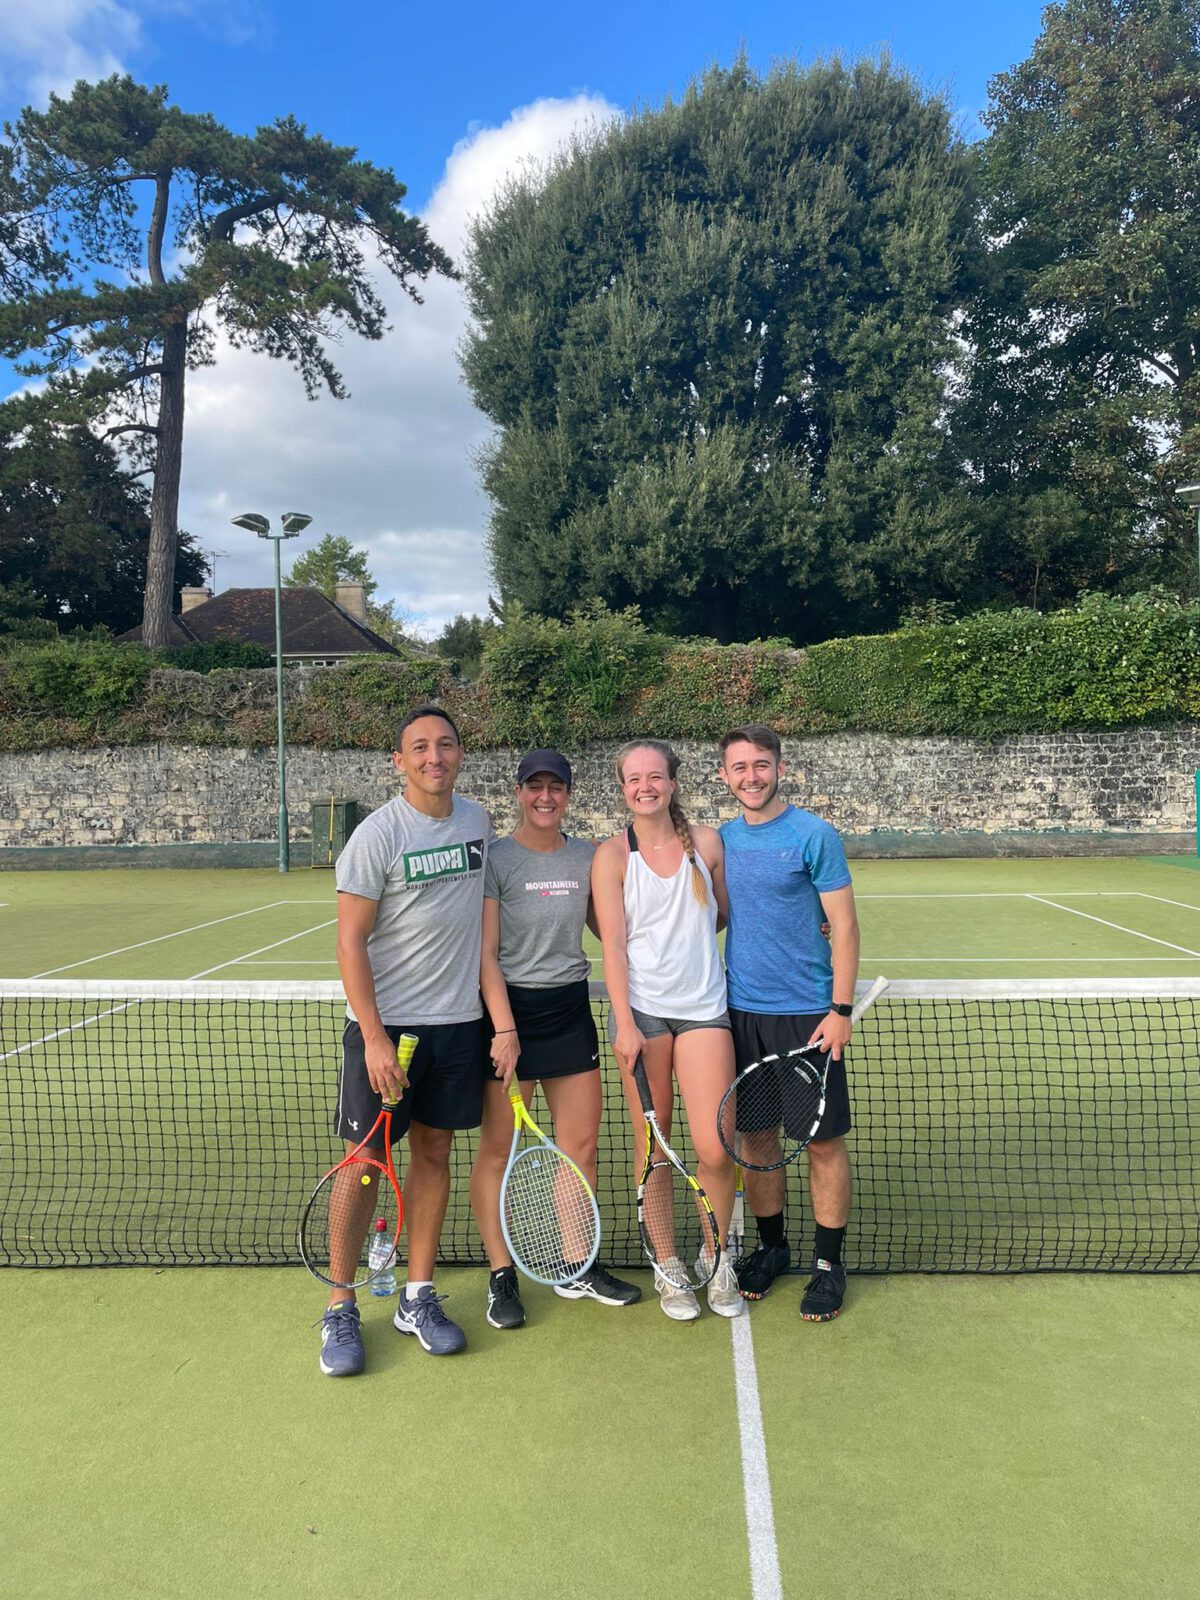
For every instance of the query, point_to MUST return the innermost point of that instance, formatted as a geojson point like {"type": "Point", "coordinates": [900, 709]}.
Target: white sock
{"type": "Point", "coordinates": [414, 1286]}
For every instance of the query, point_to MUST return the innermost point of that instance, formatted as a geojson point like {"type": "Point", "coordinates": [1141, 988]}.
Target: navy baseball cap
{"type": "Point", "coordinates": [544, 761]}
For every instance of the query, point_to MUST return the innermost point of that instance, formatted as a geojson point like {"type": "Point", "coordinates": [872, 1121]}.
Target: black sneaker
{"type": "Point", "coordinates": [824, 1291]}
{"type": "Point", "coordinates": [504, 1308]}
{"type": "Point", "coordinates": [597, 1284]}
{"type": "Point", "coordinates": [758, 1271]}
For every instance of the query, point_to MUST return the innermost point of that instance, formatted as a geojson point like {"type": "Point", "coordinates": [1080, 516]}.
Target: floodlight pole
{"type": "Point", "coordinates": [1190, 495]}
{"type": "Point", "coordinates": [291, 524]}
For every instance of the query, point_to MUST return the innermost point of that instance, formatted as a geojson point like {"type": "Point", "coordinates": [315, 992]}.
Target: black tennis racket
{"type": "Point", "coordinates": [675, 1216]}
{"type": "Point", "coordinates": [772, 1110]}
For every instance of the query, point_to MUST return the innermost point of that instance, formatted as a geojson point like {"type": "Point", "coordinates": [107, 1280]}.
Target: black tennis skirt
{"type": "Point", "coordinates": [556, 1029]}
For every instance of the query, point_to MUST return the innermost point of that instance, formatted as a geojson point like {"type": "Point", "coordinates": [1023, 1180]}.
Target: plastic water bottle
{"type": "Point", "coordinates": [379, 1255]}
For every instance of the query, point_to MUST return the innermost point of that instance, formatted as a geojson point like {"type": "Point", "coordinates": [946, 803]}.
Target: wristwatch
{"type": "Point", "coordinates": [842, 1011]}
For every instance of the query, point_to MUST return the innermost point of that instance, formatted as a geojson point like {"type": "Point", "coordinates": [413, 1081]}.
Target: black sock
{"type": "Point", "coordinates": [770, 1229]}
{"type": "Point", "coordinates": [828, 1244]}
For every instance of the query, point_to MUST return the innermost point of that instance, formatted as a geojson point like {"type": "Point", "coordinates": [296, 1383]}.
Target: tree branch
{"type": "Point", "coordinates": [1164, 367]}
{"type": "Point", "coordinates": [158, 225]}
{"type": "Point", "coordinates": [223, 224]}
{"type": "Point", "coordinates": [129, 427]}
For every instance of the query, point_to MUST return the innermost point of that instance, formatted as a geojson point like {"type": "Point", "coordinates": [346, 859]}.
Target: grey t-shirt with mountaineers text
{"type": "Point", "coordinates": [543, 898]}
{"type": "Point", "coordinates": [427, 875]}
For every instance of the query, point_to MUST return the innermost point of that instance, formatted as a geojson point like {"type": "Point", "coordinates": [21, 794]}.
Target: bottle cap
{"type": "Point", "coordinates": [380, 1226]}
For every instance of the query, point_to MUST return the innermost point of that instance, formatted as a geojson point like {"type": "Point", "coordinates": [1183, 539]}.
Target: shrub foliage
{"type": "Point", "coordinates": [1106, 663]}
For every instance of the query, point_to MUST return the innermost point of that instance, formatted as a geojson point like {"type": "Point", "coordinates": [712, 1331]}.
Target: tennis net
{"type": "Point", "coordinates": [999, 1127]}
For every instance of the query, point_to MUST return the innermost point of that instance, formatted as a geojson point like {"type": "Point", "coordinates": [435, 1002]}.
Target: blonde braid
{"type": "Point", "coordinates": [683, 829]}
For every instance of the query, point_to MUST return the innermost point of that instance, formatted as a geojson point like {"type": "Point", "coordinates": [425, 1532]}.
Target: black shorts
{"type": "Point", "coordinates": [445, 1081]}
{"type": "Point", "coordinates": [556, 1029]}
{"type": "Point", "coordinates": [756, 1035]}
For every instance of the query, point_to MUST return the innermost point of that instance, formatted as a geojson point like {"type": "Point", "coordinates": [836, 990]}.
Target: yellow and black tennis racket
{"type": "Point", "coordinates": [548, 1212]}
{"type": "Point", "coordinates": [675, 1216]}
{"type": "Point", "coordinates": [333, 1230]}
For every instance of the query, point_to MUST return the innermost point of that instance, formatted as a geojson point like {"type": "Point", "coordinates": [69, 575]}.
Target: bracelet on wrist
{"type": "Point", "coordinates": [840, 1010]}
{"type": "Point", "coordinates": [499, 1031]}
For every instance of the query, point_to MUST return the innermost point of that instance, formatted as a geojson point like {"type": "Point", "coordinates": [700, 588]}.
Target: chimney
{"type": "Point", "coordinates": [190, 598]}
{"type": "Point", "coordinates": [352, 597]}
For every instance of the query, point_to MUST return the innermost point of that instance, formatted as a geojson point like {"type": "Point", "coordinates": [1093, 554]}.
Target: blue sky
{"type": "Point", "coordinates": [451, 99]}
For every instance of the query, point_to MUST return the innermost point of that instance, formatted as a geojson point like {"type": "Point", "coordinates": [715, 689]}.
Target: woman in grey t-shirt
{"type": "Point", "coordinates": [534, 978]}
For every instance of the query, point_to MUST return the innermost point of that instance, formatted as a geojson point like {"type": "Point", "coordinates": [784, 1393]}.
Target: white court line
{"type": "Point", "coordinates": [262, 950]}
{"type": "Point", "coordinates": [113, 1011]}
{"type": "Point", "coordinates": [1009, 894]}
{"type": "Point", "coordinates": [1162, 900]}
{"type": "Point", "coordinates": [245, 961]}
{"type": "Point", "coordinates": [1104, 923]}
{"type": "Point", "coordinates": [765, 1581]}
{"type": "Point", "coordinates": [1016, 961]}
{"type": "Point", "coordinates": [273, 905]}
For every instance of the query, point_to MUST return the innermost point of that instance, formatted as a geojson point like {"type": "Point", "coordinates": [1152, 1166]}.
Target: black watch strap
{"type": "Point", "coordinates": [842, 1011]}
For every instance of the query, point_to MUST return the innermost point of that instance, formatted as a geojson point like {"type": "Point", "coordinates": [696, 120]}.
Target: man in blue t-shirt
{"type": "Point", "coordinates": [790, 986]}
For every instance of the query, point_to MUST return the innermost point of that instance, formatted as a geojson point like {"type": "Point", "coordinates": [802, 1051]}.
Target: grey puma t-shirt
{"type": "Point", "coordinates": [427, 875]}
{"type": "Point", "coordinates": [543, 898]}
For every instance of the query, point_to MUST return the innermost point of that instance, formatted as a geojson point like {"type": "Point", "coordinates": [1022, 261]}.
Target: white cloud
{"type": "Point", "coordinates": [47, 45]}
{"type": "Point", "coordinates": [389, 468]}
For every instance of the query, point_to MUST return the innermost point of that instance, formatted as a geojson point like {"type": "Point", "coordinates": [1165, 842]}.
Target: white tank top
{"type": "Point", "coordinates": [671, 941]}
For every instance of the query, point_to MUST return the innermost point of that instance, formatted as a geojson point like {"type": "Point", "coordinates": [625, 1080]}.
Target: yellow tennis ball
{"type": "Point", "coordinates": [366, 1180]}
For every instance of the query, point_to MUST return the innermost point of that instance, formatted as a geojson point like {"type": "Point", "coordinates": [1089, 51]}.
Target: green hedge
{"type": "Point", "coordinates": [1106, 663]}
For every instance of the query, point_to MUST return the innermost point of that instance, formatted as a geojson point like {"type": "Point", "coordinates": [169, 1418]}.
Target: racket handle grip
{"type": "Point", "coordinates": [406, 1048]}
{"type": "Point", "coordinates": [868, 999]}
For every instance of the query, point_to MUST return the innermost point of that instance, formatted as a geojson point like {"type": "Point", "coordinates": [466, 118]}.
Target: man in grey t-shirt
{"type": "Point", "coordinates": [410, 905]}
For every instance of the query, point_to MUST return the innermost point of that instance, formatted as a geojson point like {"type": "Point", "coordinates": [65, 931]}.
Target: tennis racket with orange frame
{"type": "Point", "coordinates": [354, 1192]}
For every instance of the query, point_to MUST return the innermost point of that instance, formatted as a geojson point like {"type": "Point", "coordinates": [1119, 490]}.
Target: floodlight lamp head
{"type": "Point", "coordinates": [294, 522]}
{"type": "Point", "coordinates": [1189, 494]}
{"type": "Point", "coordinates": [253, 523]}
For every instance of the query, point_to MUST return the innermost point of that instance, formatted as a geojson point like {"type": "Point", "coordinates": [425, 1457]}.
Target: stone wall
{"type": "Point", "coordinates": [1135, 785]}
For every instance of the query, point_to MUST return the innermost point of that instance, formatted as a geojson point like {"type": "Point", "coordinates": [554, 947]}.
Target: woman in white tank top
{"type": "Point", "coordinates": [658, 890]}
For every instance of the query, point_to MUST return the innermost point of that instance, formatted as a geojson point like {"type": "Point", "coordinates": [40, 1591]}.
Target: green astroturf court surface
{"type": "Point", "coordinates": [166, 1432]}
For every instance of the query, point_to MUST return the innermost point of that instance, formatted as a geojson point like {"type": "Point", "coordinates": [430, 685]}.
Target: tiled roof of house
{"type": "Point", "coordinates": [312, 625]}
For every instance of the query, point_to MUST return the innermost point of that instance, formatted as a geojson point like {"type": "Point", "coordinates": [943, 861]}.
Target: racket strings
{"type": "Point", "coordinates": [676, 1225]}
{"type": "Point", "coordinates": [339, 1223]}
{"type": "Point", "coordinates": [549, 1215]}
{"type": "Point", "coordinates": [772, 1111]}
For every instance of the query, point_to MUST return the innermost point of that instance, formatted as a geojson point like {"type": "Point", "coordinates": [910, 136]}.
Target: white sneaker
{"type": "Point", "coordinates": [724, 1296]}
{"type": "Point", "coordinates": [680, 1304]}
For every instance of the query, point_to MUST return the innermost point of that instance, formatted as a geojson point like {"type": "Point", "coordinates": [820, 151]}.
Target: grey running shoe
{"type": "Point", "coordinates": [597, 1284]}
{"type": "Point", "coordinates": [424, 1317]}
{"type": "Point", "coordinates": [342, 1353]}
{"type": "Point", "coordinates": [504, 1308]}
{"type": "Point", "coordinates": [824, 1292]}
{"type": "Point", "coordinates": [678, 1303]}
{"type": "Point", "coordinates": [723, 1296]}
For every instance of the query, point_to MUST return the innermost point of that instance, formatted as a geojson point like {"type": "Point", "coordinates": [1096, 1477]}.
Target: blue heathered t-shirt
{"type": "Point", "coordinates": [777, 961]}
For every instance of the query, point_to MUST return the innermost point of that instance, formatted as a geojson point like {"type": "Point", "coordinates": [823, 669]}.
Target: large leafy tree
{"type": "Point", "coordinates": [1083, 403]}
{"type": "Point", "coordinates": [75, 527]}
{"type": "Point", "coordinates": [272, 238]}
{"type": "Point", "coordinates": [714, 339]}
{"type": "Point", "coordinates": [335, 560]}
